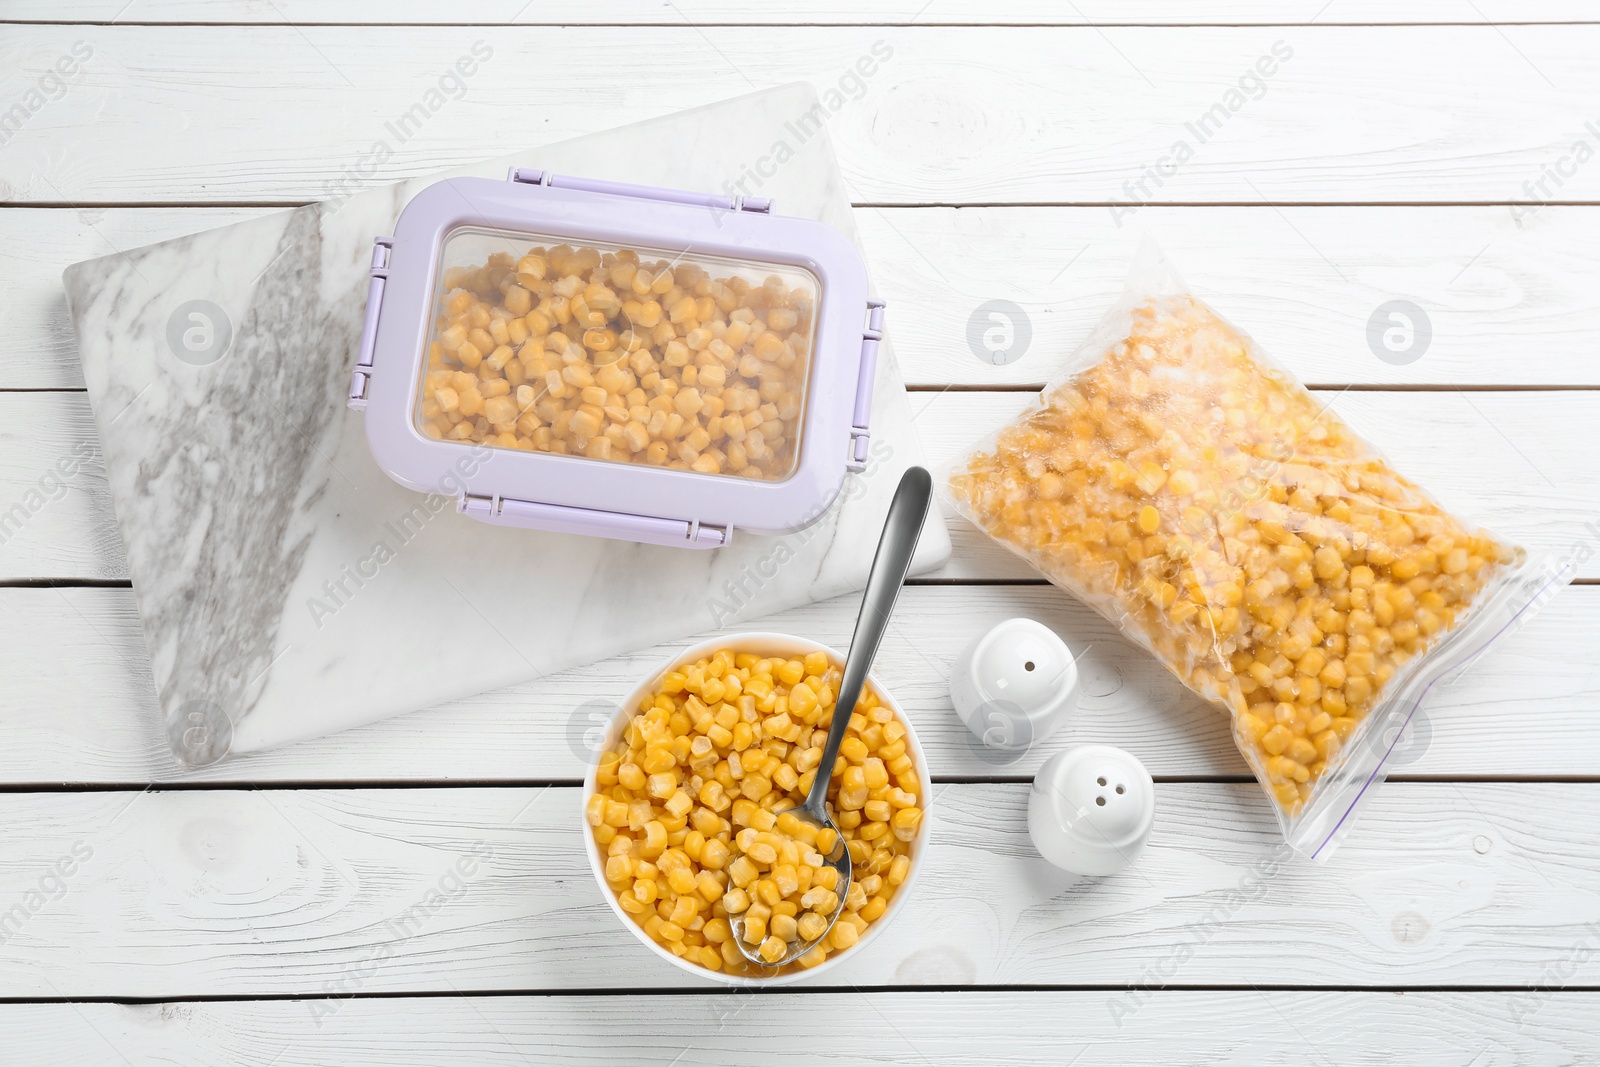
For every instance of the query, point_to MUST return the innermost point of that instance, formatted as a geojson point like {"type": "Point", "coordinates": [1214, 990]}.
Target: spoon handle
{"type": "Point", "coordinates": [901, 529]}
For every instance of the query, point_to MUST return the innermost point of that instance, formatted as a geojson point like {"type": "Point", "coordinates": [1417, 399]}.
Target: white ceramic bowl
{"type": "Point", "coordinates": [763, 644]}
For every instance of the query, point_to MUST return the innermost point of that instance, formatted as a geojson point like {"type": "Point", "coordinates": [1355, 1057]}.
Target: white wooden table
{"type": "Point", "coordinates": [294, 908]}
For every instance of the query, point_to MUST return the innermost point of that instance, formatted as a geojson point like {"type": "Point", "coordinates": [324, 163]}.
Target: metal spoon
{"type": "Point", "coordinates": [898, 541]}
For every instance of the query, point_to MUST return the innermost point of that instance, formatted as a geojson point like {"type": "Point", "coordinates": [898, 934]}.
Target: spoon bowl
{"type": "Point", "coordinates": [839, 860]}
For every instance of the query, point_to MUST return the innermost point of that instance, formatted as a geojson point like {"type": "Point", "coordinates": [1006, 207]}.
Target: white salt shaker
{"type": "Point", "coordinates": [1014, 686]}
{"type": "Point", "coordinates": [1090, 809]}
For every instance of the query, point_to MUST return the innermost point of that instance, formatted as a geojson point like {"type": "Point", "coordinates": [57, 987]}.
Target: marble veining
{"type": "Point", "coordinates": [286, 586]}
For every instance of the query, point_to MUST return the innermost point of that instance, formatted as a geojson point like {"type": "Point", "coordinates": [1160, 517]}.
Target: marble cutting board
{"type": "Point", "coordinates": [287, 588]}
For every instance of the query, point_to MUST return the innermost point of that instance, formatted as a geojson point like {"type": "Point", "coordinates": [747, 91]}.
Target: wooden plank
{"type": "Point", "coordinates": [921, 12]}
{"type": "Point", "coordinates": [317, 893]}
{"type": "Point", "coordinates": [1506, 304]}
{"type": "Point", "coordinates": [97, 722]}
{"type": "Point", "coordinates": [40, 350]}
{"type": "Point", "coordinates": [1506, 459]}
{"type": "Point", "coordinates": [945, 115]}
{"type": "Point", "coordinates": [56, 518]}
{"type": "Point", "coordinates": [1269, 1028]}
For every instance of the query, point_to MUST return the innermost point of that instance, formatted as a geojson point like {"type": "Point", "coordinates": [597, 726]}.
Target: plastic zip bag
{"type": "Point", "coordinates": [1194, 493]}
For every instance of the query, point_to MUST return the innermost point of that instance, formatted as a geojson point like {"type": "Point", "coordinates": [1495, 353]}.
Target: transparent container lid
{"type": "Point", "coordinates": [618, 354]}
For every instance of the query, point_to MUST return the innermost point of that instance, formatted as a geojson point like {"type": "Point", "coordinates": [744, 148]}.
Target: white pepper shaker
{"type": "Point", "coordinates": [1090, 809]}
{"type": "Point", "coordinates": [1014, 685]}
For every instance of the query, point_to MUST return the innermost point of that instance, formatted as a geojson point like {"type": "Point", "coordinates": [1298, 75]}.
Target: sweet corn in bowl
{"type": "Point", "coordinates": [662, 831]}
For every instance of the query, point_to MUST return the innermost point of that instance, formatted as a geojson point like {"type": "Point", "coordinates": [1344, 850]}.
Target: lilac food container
{"type": "Point", "coordinates": [616, 360]}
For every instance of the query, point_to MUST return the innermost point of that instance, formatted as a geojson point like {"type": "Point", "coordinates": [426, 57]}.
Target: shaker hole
{"type": "Point", "coordinates": [1100, 801]}
{"type": "Point", "coordinates": [1028, 666]}
{"type": "Point", "coordinates": [1101, 781]}
{"type": "Point", "coordinates": [1119, 789]}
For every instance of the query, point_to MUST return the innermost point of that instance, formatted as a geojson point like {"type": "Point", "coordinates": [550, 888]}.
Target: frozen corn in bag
{"type": "Point", "coordinates": [1199, 497]}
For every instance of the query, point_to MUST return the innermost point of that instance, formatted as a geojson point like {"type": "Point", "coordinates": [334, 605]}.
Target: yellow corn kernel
{"type": "Point", "coordinates": [784, 927]}
{"type": "Point", "coordinates": [1327, 744]}
{"type": "Point", "coordinates": [817, 956]}
{"type": "Point", "coordinates": [709, 886]}
{"type": "Point", "coordinates": [810, 926]}
{"type": "Point", "coordinates": [802, 699]}
{"type": "Point", "coordinates": [714, 854]}
{"type": "Point", "coordinates": [773, 949]}
{"type": "Point", "coordinates": [843, 934]}
{"type": "Point", "coordinates": [786, 877]}
{"type": "Point", "coordinates": [874, 773]}
{"type": "Point", "coordinates": [852, 789]}
{"type": "Point", "coordinates": [659, 759]}
{"type": "Point", "coordinates": [905, 823]}
{"type": "Point", "coordinates": [1284, 769]}
{"type": "Point", "coordinates": [1275, 740]}
{"type": "Point", "coordinates": [686, 910]}
{"type": "Point", "coordinates": [714, 797]}
{"type": "Point", "coordinates": [901, 798]}
{"type": "Point", "coordinates": [616, 814]}
{"type": "Point", "coordinates": [1302, 751]}
{"type": "Point", "coordinates": [820, 899]}
{"type": "Point", "coordinates": [743, 872]}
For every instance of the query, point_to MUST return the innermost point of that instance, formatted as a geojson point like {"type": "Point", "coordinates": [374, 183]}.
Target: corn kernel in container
{"type": "Point", "coordinates": [590, 357]}
{"type": "Point", "coordinates": [752, 861]}
{"type": "Point", "coordinates": [1225, 519]}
